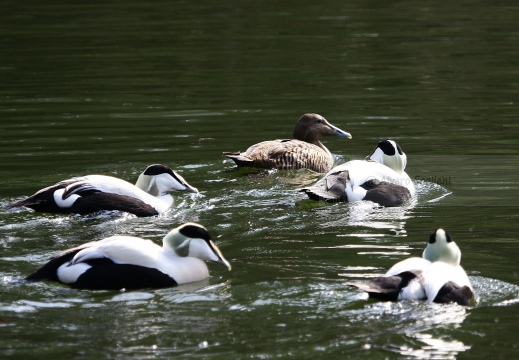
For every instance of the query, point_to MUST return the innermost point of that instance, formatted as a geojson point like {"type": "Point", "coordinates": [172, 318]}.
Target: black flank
{"type": "Point", "coordinates": [107, 201]}
{"type": "Point", "coordinates": [386, 194]}
{"type": "Point", "coordinates": [452, 292]}
{"type": "Point", "coordinates": [49, 270]}
{"type": "Point", "coordinates": [107, 275]}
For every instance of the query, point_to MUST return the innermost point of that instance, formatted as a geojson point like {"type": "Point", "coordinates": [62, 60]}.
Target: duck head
{"type": "Point", "coordinates": [311, 127]}
{"type": "Point", "coordinates": [159, 180]}
{"type": "Point", "coordinates": [441, 247]}
{"type": "Point", "coordinates": [193, 240]}
{"type": "Point", "coordinates": [389, 153]}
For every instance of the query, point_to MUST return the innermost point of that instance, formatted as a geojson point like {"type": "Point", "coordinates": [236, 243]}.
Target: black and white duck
{"type": "Point", "coordinates": [87, 194]}
{"type": "Point", "coordinates": [130, 262]}
{"type": "Point", "coordinates": [381, 178]}
{"type": "Point", "coordinates": [435, 277]}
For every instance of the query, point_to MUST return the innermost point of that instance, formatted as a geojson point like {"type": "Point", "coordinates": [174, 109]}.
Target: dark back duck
{"type": "Point", "coordinates": [304, 151]}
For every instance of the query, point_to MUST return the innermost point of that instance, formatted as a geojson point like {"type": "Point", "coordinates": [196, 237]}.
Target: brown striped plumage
{"type": "Point", "coordinates": [305, 151]}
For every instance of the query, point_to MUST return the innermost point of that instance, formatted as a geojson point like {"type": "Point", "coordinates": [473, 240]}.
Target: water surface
{"type": "Point", "coordinates": [111, 88]}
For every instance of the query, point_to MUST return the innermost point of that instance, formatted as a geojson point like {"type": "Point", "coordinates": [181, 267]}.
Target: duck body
{"type": "Point", "coordinates": [304, 151]}
{"type": "Point", "coordinates": [87, 194]}
{"type": "Point", "coordinates": [435, 277]}
{"type": "Point", "coordinates": [129, 262]}
{"type": "Point", "coordinates": [380, 179]}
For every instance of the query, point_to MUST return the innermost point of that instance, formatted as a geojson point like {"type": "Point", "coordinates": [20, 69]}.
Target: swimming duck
{"type": "Point", "coordinates": [435, 277]}
{"type": "Point", "coordinates": [380, 178]}
{"type": "Point", "coordinates": [304, 151]}
{"type": "Point", "coordinates": [83, 195]}
{"type": "Point", "coordinates": [130, 262]}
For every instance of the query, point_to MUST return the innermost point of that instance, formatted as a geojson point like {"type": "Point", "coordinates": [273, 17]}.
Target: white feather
{"type": "Point", "coordinates": [64, 203]}
{"type": "Point", "coordinates": [109, 184]}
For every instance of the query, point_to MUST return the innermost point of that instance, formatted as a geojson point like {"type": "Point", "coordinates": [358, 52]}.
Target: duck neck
{"type": "Point", "coordinates": [301, 133]}
{"type": "Point", "coordinates": [320, 144]}
{"type": "Point", "coordinates": [147, 183]}
{"type": "Point", "coordinates": [166, 201]}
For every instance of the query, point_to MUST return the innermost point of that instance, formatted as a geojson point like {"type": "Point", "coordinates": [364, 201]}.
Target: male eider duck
{"type": "Point", "coordinates": [130, 262]}
{"type": "Point", "coordinates": [380, 178]}
{"type": "Point", "coordinates": [304, 151]}
{"type": "Point", "coordinates": [435, 277]}
{"type": "Point", "coordinates": [87, 194]}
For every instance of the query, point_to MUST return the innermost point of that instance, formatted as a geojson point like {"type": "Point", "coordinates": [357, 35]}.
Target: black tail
{"type": "Point", "coordinates": [49, 271]}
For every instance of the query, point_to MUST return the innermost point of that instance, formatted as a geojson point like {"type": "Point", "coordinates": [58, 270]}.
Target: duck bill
{"type": "Point", "coordinates": [224, 263]}
{"type": "Point", "coordinates": [341, 133]}
{"type": "Point", "coordinates": [190, 189]}
{"type": "Point", "coordinates": [219, 259]}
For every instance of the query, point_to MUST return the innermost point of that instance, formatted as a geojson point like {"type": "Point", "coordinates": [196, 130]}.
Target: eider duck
{"type": "Point", "coordinates": [87, 194]}
{"type": "Point", "coordinates": [435, 277]}
{"type": "Point", "coordinates": [127, 262]}
{"type": "Point", "coordinates": [304, 151]}
{"type": "Point", "coordinates": [380, 178]}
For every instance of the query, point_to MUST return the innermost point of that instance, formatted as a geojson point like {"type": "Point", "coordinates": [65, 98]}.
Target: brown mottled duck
{"type": "Point", "coordinates": [304, 151]}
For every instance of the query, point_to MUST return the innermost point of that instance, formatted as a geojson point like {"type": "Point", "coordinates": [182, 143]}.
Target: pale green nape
{"type": "Point", "coordinates": [443, 251]}
{"type": "Point", "coordinates": [178, 242]}
{"type": "Point", "coordinates": [148, 184]}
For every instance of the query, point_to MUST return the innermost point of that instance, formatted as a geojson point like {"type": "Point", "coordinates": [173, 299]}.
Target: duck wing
{"type": "Point", "coordinates": [100, 183]}
{"type": "Point", "coordinates": [255, 156]}
{"type": "Point", "coordinates": [452, 292]}
{"type": "Point", "coordinates": [331, 188]}
{"type": "Point", "coordinates": [50, 269]}
{"type": "Point", "coordinates": [43, 200]}
{"type": "Point", "coordinates": [284, 154]}
{"type": "Point", "coordinates": [387, 288]}
{"type": "Point", "coordinates": [119, 262]}
{"type": "Point", "coordinates": [97, 201]}
{"type": "Point", "coordinates": [402, 281]}
{"type": "Point", "coordinates": [99, 192]}
{"type": "Point", "coordinates": [120, 250]}
{"type": "Point", "coordinates": [297, 154]}
{"type": "Point", "coordinates": [385, 193]}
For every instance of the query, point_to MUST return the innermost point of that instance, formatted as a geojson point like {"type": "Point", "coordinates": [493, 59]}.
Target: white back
{"type": "Point", "coordinates": [118, 186]}
{"type": "Point", "coordinates": [361, 171]}
{"type": "Point", "coordinates": [438, 274]}
{"type": "Point", "coordinates": [414, 263]}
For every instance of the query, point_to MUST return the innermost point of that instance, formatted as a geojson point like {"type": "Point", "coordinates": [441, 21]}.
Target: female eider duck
{"type": "Point", "coordinates": [435, 277]}
{"type": "Point", "coordinates": [129, 262]}
{"type": "Point", "coordinates": [380, 178]}
{"type": "Point", "coordinates": [87, 194]}
{"type": "Point", "coordinates": [304, 151]}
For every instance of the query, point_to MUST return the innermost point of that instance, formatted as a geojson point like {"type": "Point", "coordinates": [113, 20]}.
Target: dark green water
{"type": "Point", "coordinates": [110, 88]}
